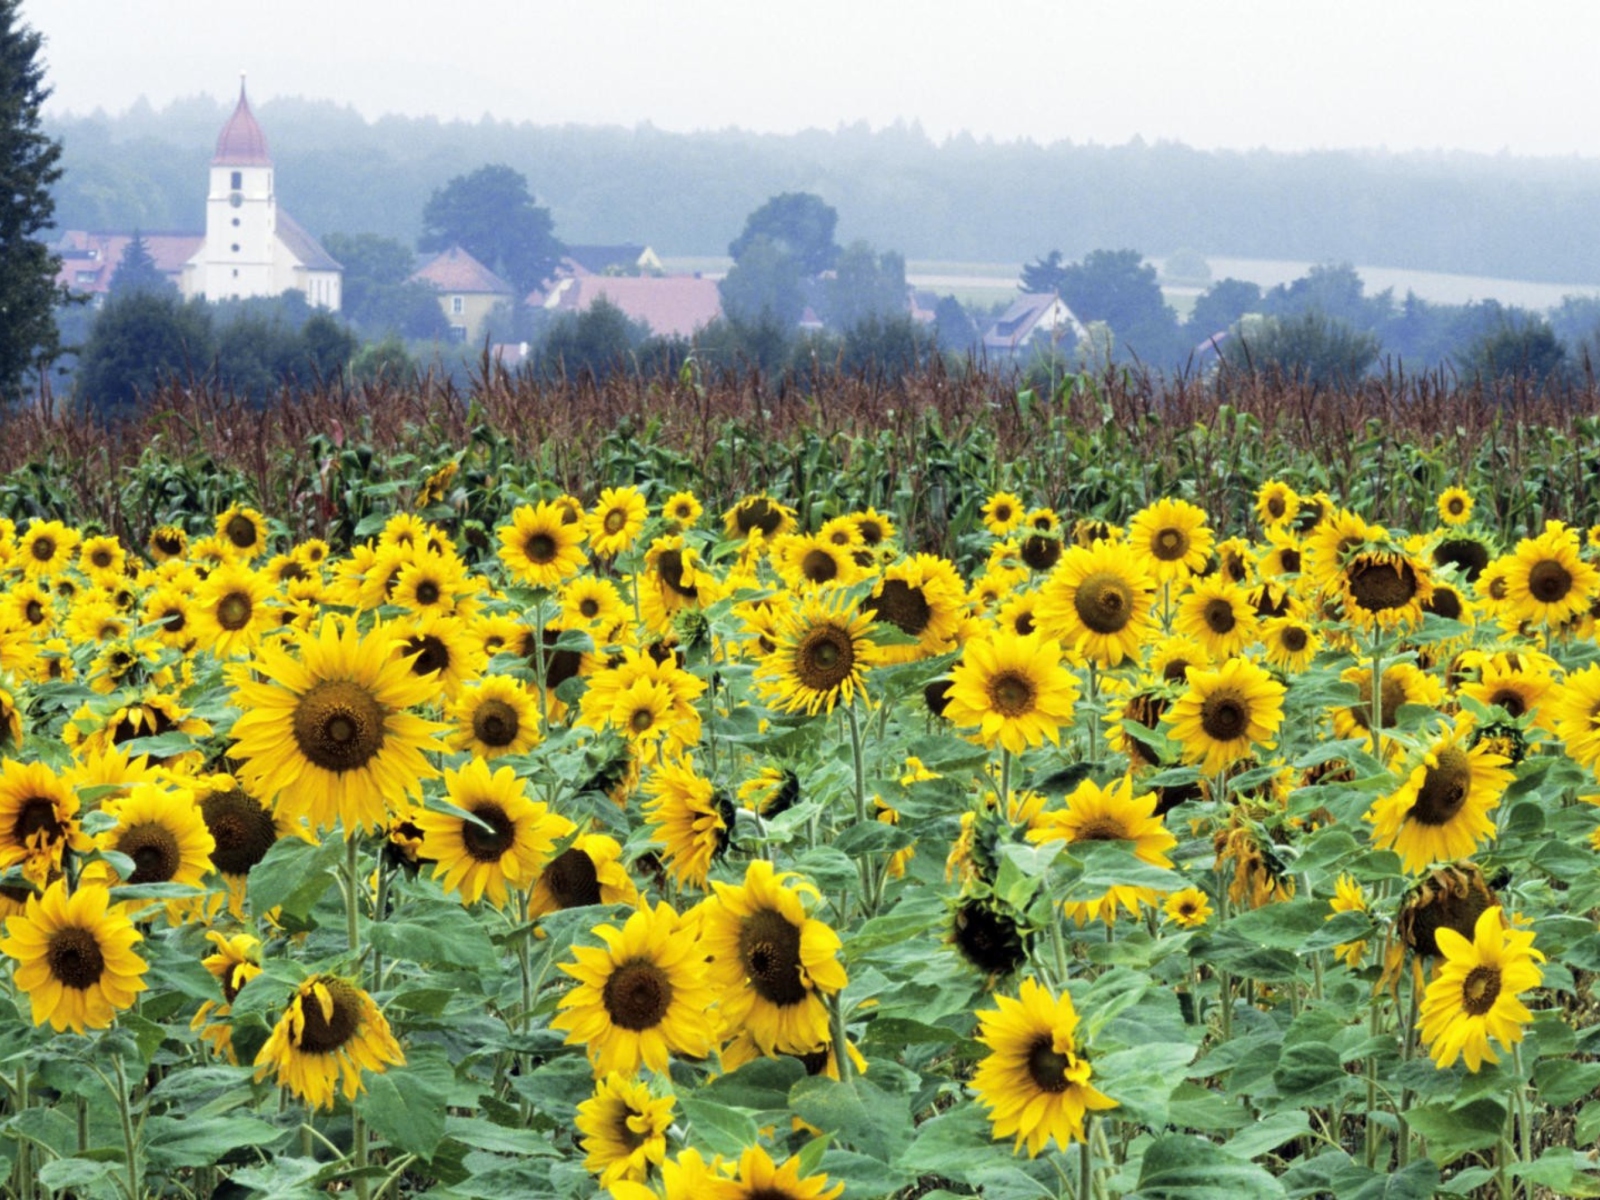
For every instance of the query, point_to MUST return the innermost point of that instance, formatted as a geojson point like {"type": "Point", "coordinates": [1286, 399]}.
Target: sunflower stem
{"type": "Point", "coordinates": [1375, 712]}
{"type": "Point", "coordinates": [1086, 1161]}
{"type": "Point", "coordinates": [358, 1142]}
{"type": "Point", "coordinates": [1005, 780]}
{"type": "Point", "coordinates": [24, 1173]}
{"type": "Point", "coordinates": [129, 1142]}
{"type": "Point", "coordinates": [1408, 1048]}
{"type": "Point", "coordinates": [1375, 1028]}
{"type": "Point", "coordinates": [539, 659]}
{"type": "Point", "coordinates": [1524, 1128]}
{"type": "Point", "coordinates": [841, 1045]}
{"type": "Point", "coordinates": [352, 892]}
{"type": "Point", "coordinates": [1094, 713]}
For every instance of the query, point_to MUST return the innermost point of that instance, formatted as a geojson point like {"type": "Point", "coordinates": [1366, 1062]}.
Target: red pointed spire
{"type": "Point", "coordinates": [242, 144]}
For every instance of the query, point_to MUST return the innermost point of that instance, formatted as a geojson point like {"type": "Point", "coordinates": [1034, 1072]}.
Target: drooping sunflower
{"type": "Point", "coordinates": [38, 819]}
{"type": "Point", "coordinates": [505, 842]}
{"type": "Point", "coordinates": [234, 963]}
{"type": "Point", "coordinates": [1097, 602]}
{"type": "Point", "coordinates": [1109, 814]}
{"type": "Point", "coordinates": [1440, 810]}
{"type": "Point", "coordinates": [759, 1178]}
{"type": "Point", "coordinates": [1455, 506]}
{"type": "Point", "coordinates": [1014, 690]}
{"type": "Point", "coordinates": [75, 957]}
{"type": "Point", "coordinates": [623, 1129]}
{"type": "Point", "coordinates": [1473, 994]}
{"type": "Point", "coordinates": [758, 514]}
{"type": "Point", "coordinates": [822, 655]}
{"type": "Point", "coordinates": [641, 998]}
{"type": "Point", "coordinates": [539, 548]}
{"type": "Point", "coordinates": [590, 871]}
{"type": "Point", "coordinates": [1467, 553]}
{"type": "Point", "coordinates": [1547, 582]}
{"type": "Point", "coordinates": [242, 831]}
{"type": "Point", "coordinates": [689, 818]}
{"type": "Point", "coordinates": [494, 716]}
{"type": "Point", "coordinates": [46, 548]}
{"type": "Point", "coordinates": [989, 934]}
{"type": "Point", "coordinates": [1003, 513]}
{"type": "Point", "coordinates": [1329, 545]}
{"type": "Point", "coordinates": [616, 521]}
{"type": "Point", "coordinates": [773, 964]}
{"type": "Point", "coordinates": [1226, 714]}
{"type": "Point", "coordinates": [921, 596]}
{"type": "Point", "coordinates": [1385, 589]}
{"type": "Point", "coordinates": [1034, 1081]}
{"type": "Point", "coordinates": [1401, 683]}
{"type": "Point", "coordinates": [1217, 614]}
{"type": "Point", "coordinates": [1171, 539]}
{"type": "Point", "coordinates": [230, 611]}
{"type": "Point", "coordinates": [325, 731]}
{"type": "Point", "coordinates": [243, 530]}
{"type": "Point", "coordinates": [330, 1029]}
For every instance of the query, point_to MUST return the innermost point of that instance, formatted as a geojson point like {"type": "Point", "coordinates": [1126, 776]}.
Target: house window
{"type": "Point", "coordinates": [458, 333]}
{"type": "Point", "coordinates": [88, 276]}
{"type": "Point", "coordinates": [237, 181]}
{"type": "Point", "coordinates": [457, 306]}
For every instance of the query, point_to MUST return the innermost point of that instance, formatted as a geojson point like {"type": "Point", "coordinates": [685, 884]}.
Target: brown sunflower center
{"type": "Point", "coordinates": [233, 611]}
{"type": "Point", "coordinates": [1549, 581]}
{"type": "Point", "coordinates": [1003, 513]}
{"type": "Point", "coordinates": [432, 654]}
{"type": "Point", "coordinates": [169, 544]}
{"type": "Point", "coordinates": [615, 520]}
{"type": "Point", "coordinates": [174, 620]}
{"type": "Point", "coordinates": [1104, 602]}
{"type": "Point", "coordinates": [1510, 700]}
{"type": "Point", "coordinates": [572, 879]}
{"type": "Point", "coordinates": [1468, 555]}
{"type": "Point", "coordinates": [1379, 586]}
{"type": "Point", "coordinates": [819, 566]}
{"type": "Point", "coordinates": [1047, 1066]}
{"type": "Point", "coordinates": [34, 612]}
{"type": "Point", "coordinates": [642, 720]}
{"type": "Point", "coordinates": [540, 548]}
{"type": "Point", "coordinates": [155, 852]}
{"type": "Point", "coordinates": [769, 949]}
{"type": "Point", "coordinates": [101, 558]}
{"type": "Point", "coordinates": [338, 725]}
{"type": "Point", "coordinates": [1276, 506]}
{"type": "Point", "coordinates": [428, 592]}
{"type": "Point", "coordinates": [1444, 788]}
{"type": "Point", "coordinates": [1293, 639]}
{"type": "Point", "coordinates": [1040, 553]}
{"type": "Point", "coordinates": [670, 566]}
{"type": "Point", "coordinates": [44, 548]}
{"type": "Point", "coordinates": [1169, 544]}
{"type": "Point", "coordinates": [1289, 562]}
{"type": "Point", "coordinates": [1218, 614]}
{"type": "Point", "coordinates": [487, 845]}
{"type": "Point", "coordinates": [637, 995]}
{"type": "Point", "coordinates": [902, 605]}
{"type": "Point", "coordinates": [1012, 694]}
{"type": "Point", "coordinates": [324, 1034]}
{"type": "Point", "coordinates": [1391, 695]}
{"type": "Point", "coordinates": [241, 531]}
{"type": "Point", "coordinates": [36, 815]}
{"type": "Point", "coordinates": [825, 658]}
{"type": "Point", "coordinates": [75, 958]}
{"type": "Point", "coordinates": [241, 828]}
{"type": "Point", "coordinates": [1224, 716]}
{"type": "Point", "coordinates": [1480, 989]}
{"type": "Point", "coordinates": [872, 533]}
{"type": "Point", "coordinates": [1101, 829]}
{"type": "Point", "coordinates": [495, 723]}
{"type": "Point", "coordinates": [589, 608]}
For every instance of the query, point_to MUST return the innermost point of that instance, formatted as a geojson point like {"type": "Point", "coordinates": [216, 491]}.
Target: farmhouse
{"type": "Point", "coordinates": [1034, 313]}
{"type": "Point", "coordinates": [672, 305]}
{"type": "Point", "coordinates": [468, 291]}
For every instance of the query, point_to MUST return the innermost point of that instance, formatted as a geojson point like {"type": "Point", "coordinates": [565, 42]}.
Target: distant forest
{"type": "Point", "coordinates": [961, 199]}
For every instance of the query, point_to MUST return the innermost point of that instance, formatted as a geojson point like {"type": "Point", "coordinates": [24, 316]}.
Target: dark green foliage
{"type": "Point", "coordinates": [865, 285]}
{"type": "Point", "coordinates": [1121, 289]}
{"type": "Point", "coordinates": [885, 347]}
{"type": "Point", "coordinates": [953, 326]}
{"type": "Point", "coordinates": [29, 166]}
{"type": "Point", "coordinates": [1219, 306]}
{"type": "Point", "coordinates": [800, 224]}
{"type": "Point", "coordinates": [764, 286]}
{"type": "Point", "coordinates": [377, 297]}
{"type": "Point", "coordinates": [595, 342]}
{"type": "Point", "coordinates": [1526, 349]}
{"type": "Point", "coordinates": [137, 272]}
{"type": "Point", "coordinates": [492, 215]}
{"type": "Point", "coordinates": [1311, 347]}
{"type": "Point", "coordinates": [138, 343]}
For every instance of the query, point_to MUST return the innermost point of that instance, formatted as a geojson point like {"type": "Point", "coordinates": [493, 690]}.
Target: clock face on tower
{"type": "Point", "coordinates": [236, 199]}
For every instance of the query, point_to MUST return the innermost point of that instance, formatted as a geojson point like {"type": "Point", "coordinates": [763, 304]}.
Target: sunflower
{"type": "Point", "coordinates": [1097, 603]}
{"type": "Point", "coordinates": [1455, 506]}
{"type": "Point", "coordinates": [325, 731]}
{"type": "Point", "coordinates": [589, 871]}
{"type": "Point", "coordinates": [647, 699]}
{"type": "Point", "coordinates": [1015, 690]}
{"type": "Point", "coordinates": [1034, 1082]}
{"type": "Point", "coordinates": [770, 791]}
{"type": "Point", "coordinates": [640, 998]}
{"type": "Point", "coordinates": [616, 521]}
{"type": "Point", "coordinates": [38, 820]}
{"type": "Point", "coordinates": [243, 531]}
{"type": "Point", "coordinates": [1218, 615]}
{"type": "Point", "coordinates": [623, 1128]}
{"type": "Point", "coordinates": [75, 957]}
{"type": "Point", "coordinates": [1187, 908]}
{"type": "Point", "coordinates": [875, 529]}
{"type": "Point", "coordinates": [242, 831]}
{"type": "Point", "coordinates": [163, 832]}
{"type": "Point", "coordinates": [102, 559]}
{"type": "Point", "coordinates": [821, 657]}
{"type": "Point", "coordinates": [1449, 897]}
{"type": "Point", "coordinates": [1276, 504]}
{"type": "Point", "coordinates": [236, 961]}
{"type": "Point", "coordinates": [1003, 513]}
{"type": "Point", "coordinates": [773, 965]}
{"type": "Point", "coordinates": [230, 611]}
{"type": "Point", "coordinates": [170, 608]}
{"type": "Point", "coordinates": [1385, 589]}
{"type": "Point", "coordinates": [1348, 897]}
{"type": "Point", "coordinates": [989, 934]}
{"type": "Point", "coordinates": [1575, 714]}
{"type": "Point", "coordinates": [1401, 683]}
{"type": "Point", "coordinates": [439, 649]}
{"type": "Point", "coordinates": [435, 585]}
{"type": "Point", "coordinates": [921, 596]}
{"type": "Point", "coordinates": [689, 1176]}
{"type": "Point", "coordinates": [167, 542]}
{"type": "Point", "coordinates": [759, 1178]}
{"type": "Point", "coordinates": [690, 818]}
{"type": "Point", "coordinates": [1547, 582]}
{"type": "Point", "coordinates": [330, 1028]}
{"type": "Point", "coordinates": [758, 514]}
{"type": "Point", "coordinates": [675, 579]}
{"type": "Point", "coordinates": [1517, 687]}
{"type": "Point", "coordinates": [1226, 713]}
{"type": "Point", "coordinates": [1171, 539]}
{"type": "Point", "coordinates": [1467, 553]}
{"type": "Point", "coordinates": [807, 562]}
{"type": "Point", "coordinates": [1330, 543]}
{"type": "Point", "coordinates": [494, 716]}
{"type": "Point", "coordinates": [505, 840]}
{"type": "Point", "coordinates": [539, 548]}
{"type": "Point", "coordinates": [591, 603]}
{"type": "Point", "coordinates": [1290, 644]}
{"type": "Point", "coordinates": [46, 548]}
{"type": "Point", "coordinates": [681, 510]}
{"type": "Point", "coordinates": [1286, 556]}
{"type": "Point", "coordinates": [10, 722]}
{"type": "Point", "coordinates": [1109, 814]}
{"type": "Point", "coordinates": [1440, 811]}
{"type": "Point", "coordinates": [1473, 994]}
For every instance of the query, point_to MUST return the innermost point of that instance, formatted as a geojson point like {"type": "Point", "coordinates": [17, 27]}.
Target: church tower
{"type": "Point", "coordinates": [241, 212]}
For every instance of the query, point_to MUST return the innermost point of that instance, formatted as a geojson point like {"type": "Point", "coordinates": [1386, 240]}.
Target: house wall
{"type": "Point", "coordinates": [475, 310]}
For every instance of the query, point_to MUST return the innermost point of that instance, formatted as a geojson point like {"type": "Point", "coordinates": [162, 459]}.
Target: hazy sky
{"type": "Point", "coordinates": [1286, 74]}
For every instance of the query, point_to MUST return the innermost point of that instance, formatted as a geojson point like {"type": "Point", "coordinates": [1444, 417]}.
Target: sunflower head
{"type": "Point", "coordinates": [1448, 897]}
{"type": "Point", "coordinates": [988, 933]}
{"type": "Point", "coordinates": [330, 1028]}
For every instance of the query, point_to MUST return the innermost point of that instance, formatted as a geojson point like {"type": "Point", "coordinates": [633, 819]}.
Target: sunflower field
{"type": "Point", "coordinates": [435, 822]}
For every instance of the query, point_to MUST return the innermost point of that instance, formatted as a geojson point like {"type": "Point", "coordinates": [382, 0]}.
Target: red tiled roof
{"type": "Point", "coordinates": [454, 270]}
{"type": "Point", "coordinates": [88, 260]}
{"type": "Point", "coordinates": [672, 305]}
{"type": "Point", "coordinates": [241, 143]}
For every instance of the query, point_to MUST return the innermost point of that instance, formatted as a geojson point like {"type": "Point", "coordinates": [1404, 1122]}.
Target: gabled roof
{"type": "Point", "coordinates": [672, 305]}
{"type": "Point", "coordinates": [89, 258]}
{"type": "Point", "coordinates": [597, 260]}
{"type": "Point", "coordinates": [1017, 324]}
{"type": "Point", "coordinates": [454, 270]}
{"type": "Point", "coordinates": [241, 143]}
{"type": "Point", "coordinates": [303, 246]}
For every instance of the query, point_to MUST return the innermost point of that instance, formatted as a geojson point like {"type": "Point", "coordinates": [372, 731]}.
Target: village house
{"type": "Point", "coordinates": [469, 292]}
{"type": "Point", "coordinates": [1041, 314]}
{"type": "Point", "coordinates": [671, 305]}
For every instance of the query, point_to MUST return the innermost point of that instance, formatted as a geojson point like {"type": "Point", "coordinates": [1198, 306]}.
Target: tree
{"type": "Point", "coordinates": [865, 285]}
{"type": "Point", "coordinates": [1043, 277]}
{"type": "Point", "coordinates": [1526, 349]}
{"type": "Point", "coordinates": [953, 326]}
{"type": "Point", "coordinates": [1336, 291]}
{"type": "Point", "coordinates": [885, 346]}
{"type": "Point", "coordinates": [800, 224]}
{"type": "Point", "coordinates": [138, 343]}
{"type": "Point", "coordinates": [378, 295]}
{"type": "Point", "coordinates": [1219, 306]}
{"type": "Point", "coordinates": [29, 167]}
{"type": "Point", "coordinates": [1310, 347]}
{"type": "Point", "coordinates": [1121, 289]}
{"type": "Point", "coordinates": [137, 272]}
{"type": "Point", "coordinates": [492, 215]}
{"type": "Point", "coordinates": [764, 285]}
{"type": "Point", "coordinates": [597, 342]}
